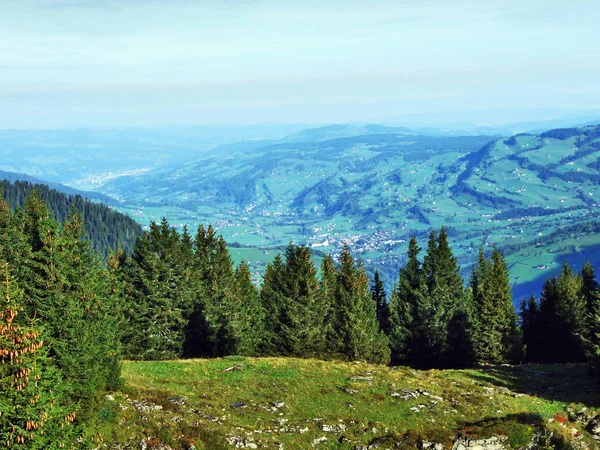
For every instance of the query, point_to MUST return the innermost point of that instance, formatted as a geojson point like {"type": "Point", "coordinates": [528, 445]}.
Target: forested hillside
{"type": "Point", "coordinates": [105, 228]}
{"type": "Point", "coordinates": [12, 177]}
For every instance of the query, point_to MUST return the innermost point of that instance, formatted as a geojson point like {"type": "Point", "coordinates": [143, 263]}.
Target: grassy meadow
{"type": "Point", "coordinates": [238, 402]}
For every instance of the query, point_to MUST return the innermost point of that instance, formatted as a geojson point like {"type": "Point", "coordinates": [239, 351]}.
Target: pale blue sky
{"type": "Point", "coordinates": [130, 62]}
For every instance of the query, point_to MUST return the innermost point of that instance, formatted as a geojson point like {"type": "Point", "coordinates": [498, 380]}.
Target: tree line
{"type": "Point", "coordinates": [67, 318]}
{"type": "Point", "coordinates": [182, 297]}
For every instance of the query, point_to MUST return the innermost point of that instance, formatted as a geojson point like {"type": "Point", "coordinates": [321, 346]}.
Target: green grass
{"type": "Point", "coordinates": [294, 402]}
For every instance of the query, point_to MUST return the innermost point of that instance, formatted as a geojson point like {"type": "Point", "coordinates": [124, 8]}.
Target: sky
{"type": "Point", "coordinates": [146, 63]}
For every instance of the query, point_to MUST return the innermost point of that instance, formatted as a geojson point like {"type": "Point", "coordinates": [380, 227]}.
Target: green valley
{"type": "Point", "coordinates": [533, 196]}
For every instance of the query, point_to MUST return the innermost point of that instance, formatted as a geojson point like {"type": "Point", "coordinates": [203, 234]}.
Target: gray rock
{"type": "Point", "coordinates": [431, 446]}
{"type": "Point", "coordinates": [333, 428]}
{"type": "Point", "coordinates": [493, 443]}
{"type": "Point", "coordinates": [362, 378]}
{"type": "Point", "coordinates": [582, 416]}
{"type": "Point", "coordinates": [427, 394]}
{"type": "Point", "coordinates": [406, 394]}
{"type": "Point", "coordinates": [142, 406]}
{"type": "Point", "coordinates": [240, 442]}
{"type": "Point", "coordinates": [237, 405]}
{"type": "Point", "coordinates": [318, 441]}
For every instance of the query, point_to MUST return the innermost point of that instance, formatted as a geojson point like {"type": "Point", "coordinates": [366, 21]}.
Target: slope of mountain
{"type": "Point", "coordinates": [106, 229]}
{"type": "Point", "coordinates": [535, 196]}
{"type": "Point", "coordinates": [11, 177]}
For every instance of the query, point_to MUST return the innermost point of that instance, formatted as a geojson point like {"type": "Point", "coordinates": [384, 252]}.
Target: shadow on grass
{"type": "Point", "coordinates": [576, 260]}
{"type": "Point", "coordinates": [568, 383]}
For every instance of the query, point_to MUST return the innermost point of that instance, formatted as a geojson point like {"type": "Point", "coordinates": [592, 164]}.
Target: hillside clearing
{"type": "Point", "coordinates": [289, 403]}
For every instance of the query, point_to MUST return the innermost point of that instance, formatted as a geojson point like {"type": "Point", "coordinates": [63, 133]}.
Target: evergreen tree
{"type": "Point", "coordinates": [14, 248]}
{"type": "Point", "coordinates": [380, 298]}
{"type": "Point", "coordinates": [156, 313]}
{"type": "Point", "coordinates": [354, 315]}
{"type": "Point", "coordinates": [562, 318]}
{"type": "Point", "coordinates": [591, 297]}
{"type": "Point", "coordinates": [460, 333]}
{"type": "Point", "coordinates": [530, 324]}
{"type": "Point", "coordinates": [444, 292]}
{"type": "Point", "coordinates": [512, 337]}
{"type": "Point", "coordinates": [589, 287]}
{"type": "Point", "coordinates": [295, 309]}
{"type": "Point", "coordinates": [406, 305]}
{"type": "Point", "coordinates": [328, 289]}
{"type": "Point", "coordinates": [496, 337]}
{"type": "Point", "coordinates": [248, 320]}
{"type": "Point", "coordinates": [573, 312]}
{"type": "Point", "coordinates": [302, 318]}
{"type": "Point", "coordinates": [32, 415]}
{"type": "Point", "coordinates": [272, 302]}
{"type": "Point", "coordinates": [199, 334]}
{"type": "Point", "coordinates": [550, 324]}
{"type": "Point", "coordinates": [67, 289]}
{"type": "Point", "coordinates": [219, 308]}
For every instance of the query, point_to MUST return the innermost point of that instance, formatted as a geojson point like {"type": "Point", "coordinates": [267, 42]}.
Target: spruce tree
{"type": "Point", "coordinates": [354, 315]}
{"type": "Point", "coordinates": [406, 305]}
{"type": "Point", "coordinates": [512, 336]}
{"type": "Point", "coordinates": [272, 303]}
{"type": "Point", "coordinates": [550, 323]}
{"type": "Point", "coordinates": [248, 319]}
{"type": "Point", "coordinates": [328, 288]}
{"type": "Point", "coordinates": [563, 314]}
{"type": "Point", "coordinates": [496, 337]}
{"type": "Point", "coordinates": [380, 298]}
{"type": "Point", "coordinates": [156, 313]}
{"type": "Point", "coordinates": [67, 289]}
{"type": "Point", "coordinates": [302, 318]}
{"type": "Point", "coordinates": [294, 309]}
{"type": "Point", "coordinates": [444, 293]}
{"type": "Point", "coordinates": [573, 312]}
{"type": "Point", "coordinates": [532, 334]}
{"type": "Point", "coordinates": [460, 333]}
{"type": "Point", "coordinates": [32, 410]}
{"type": "Point", "coordinates": [219, 308]}
{"type": "Point", "coordinates": [591, 297]}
